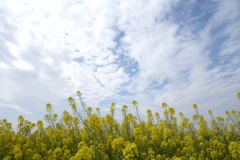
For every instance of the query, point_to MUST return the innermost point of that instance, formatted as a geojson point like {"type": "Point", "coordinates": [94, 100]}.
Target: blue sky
{"type": "Point", "coordinates": [153, 51]}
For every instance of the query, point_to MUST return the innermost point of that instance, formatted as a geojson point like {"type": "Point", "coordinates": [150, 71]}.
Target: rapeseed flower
{"type": "Point", "coordinates": [86, 135]}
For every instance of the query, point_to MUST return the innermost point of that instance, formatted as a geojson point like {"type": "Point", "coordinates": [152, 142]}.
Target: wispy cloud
{"type": "Point", "coordinates": [181, 52]}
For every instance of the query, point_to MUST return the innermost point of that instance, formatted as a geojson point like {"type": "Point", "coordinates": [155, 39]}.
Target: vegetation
{"type": "Point", "coordinates": [87, 135]}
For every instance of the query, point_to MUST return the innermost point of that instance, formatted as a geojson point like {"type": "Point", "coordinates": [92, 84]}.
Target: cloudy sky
{"type": "Point", "coordinates": [180, 52]}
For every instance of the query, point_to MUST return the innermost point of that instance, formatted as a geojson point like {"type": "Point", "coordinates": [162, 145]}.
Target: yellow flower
{"type": "Point", "coordinates": [238, 95]}
{"type": "Point", "coordinates": [195, 106]}
{"type": "Point", "coordinates": [164, 105]}
{"type": "Point", "coordinates": [167, 133]}
{"type": "Point", "coordinates": [79, 136]}
{"type": "Point", "coordinates": [134, 102]}
{"type": "Point", "coordinates": [89, 110]}
{"type": "Point", "coordinates": [118, 143]}
{"type": "Point", "coordinates": [130, 151]}
{"type": "Point", "coordinates": [48, 106]}
{"type": "Point", "coordinates": [84, 153]}
{"type": "Point", "coordinates": [37, 157]}
{"type": "Point", "coordinates": [79, 94]}
{"type": "Point", "coordinates": [181, 114]}
{"type": "Point", "coordinates": [70, 99]}
{"type": "Point", "coordinates": [171, 110]}
{"type": "Point", "coordinates": [234, 149]}
{"type": "Point", "coordinates": [210, 112]}
{"type": "Point", "coordinates": [125, 107]}
{"type": "Point", "coordinates": [112, 104]}
{"type": "Point", "coordinates": [149, 111]}
{"type": "Point", "coordinates": [195, 117]}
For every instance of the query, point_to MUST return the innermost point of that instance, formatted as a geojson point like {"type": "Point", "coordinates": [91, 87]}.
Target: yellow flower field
{"type": "Point", "coordinates": [85, 135]}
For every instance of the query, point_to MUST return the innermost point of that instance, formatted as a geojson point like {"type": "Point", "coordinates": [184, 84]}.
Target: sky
{"type": "Point", "coordinates": [180, 52]}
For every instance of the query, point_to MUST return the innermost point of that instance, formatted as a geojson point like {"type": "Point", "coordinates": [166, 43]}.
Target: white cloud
{"type": "Point", "coordinates": [52, 49]}
{"type": "Point", "coordinates": [16, 107]}
{"type": "Point", "coordinates": [22, 65]}
{"type": "Point", "coordinates": [4, 65]}
{"type": "Point", "coordinates": [184, 64]}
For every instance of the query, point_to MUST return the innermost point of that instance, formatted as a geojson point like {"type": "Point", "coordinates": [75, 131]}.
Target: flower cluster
{"type": "Point", "coordinates": [85, 135]}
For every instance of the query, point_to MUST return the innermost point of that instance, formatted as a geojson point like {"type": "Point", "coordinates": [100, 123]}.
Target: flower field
{"type": "Point", "coordinates": [87, 135]}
